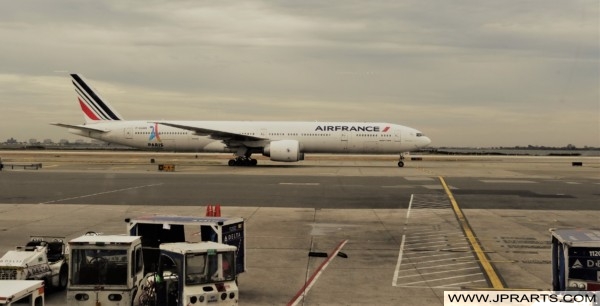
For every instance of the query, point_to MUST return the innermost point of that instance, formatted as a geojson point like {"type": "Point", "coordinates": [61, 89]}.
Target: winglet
{"type": "Point", "coordinates": [94, 107]}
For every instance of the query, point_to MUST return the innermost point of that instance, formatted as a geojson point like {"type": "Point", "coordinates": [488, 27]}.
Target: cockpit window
{"type": "Point", "coordinates": [420, 134]}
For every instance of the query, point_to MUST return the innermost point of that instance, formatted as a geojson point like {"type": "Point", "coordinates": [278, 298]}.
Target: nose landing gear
{"type": "Point", "coordinates": [401, 162]}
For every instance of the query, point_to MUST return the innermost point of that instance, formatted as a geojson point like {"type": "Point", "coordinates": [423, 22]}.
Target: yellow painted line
{"type": "Point", "coordinates": [485, 263]}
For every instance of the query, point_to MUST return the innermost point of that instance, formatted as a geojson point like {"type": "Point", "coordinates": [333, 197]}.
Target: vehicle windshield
{"type": "Point", "coordinates": [99, 267]}
{"type": "Point", "coordinates": [204, 268]}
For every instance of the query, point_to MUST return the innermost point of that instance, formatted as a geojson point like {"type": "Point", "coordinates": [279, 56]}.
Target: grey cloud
{"type": "Point", "coordinates": [410, 62]}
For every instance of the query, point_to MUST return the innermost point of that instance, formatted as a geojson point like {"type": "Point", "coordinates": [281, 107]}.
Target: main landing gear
{"type": "Point", "coordinates": [401, 161]}
{"type": "Point", "coordinates": [242, 161]}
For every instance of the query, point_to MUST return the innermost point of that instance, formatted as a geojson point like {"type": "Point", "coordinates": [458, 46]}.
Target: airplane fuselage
{"type": "Point", "coordinates": [313, 137]}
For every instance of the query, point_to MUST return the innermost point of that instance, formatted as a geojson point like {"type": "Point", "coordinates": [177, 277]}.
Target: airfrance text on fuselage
{"type": "Point", "coordinates": [333, 128]}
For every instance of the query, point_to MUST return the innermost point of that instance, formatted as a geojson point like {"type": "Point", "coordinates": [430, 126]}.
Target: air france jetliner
{"type": "Point", "coordinates": [282, 141]}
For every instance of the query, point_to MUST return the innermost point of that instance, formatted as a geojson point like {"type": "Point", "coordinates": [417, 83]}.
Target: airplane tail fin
{"type": "Point", "coordinates": [94, 107]}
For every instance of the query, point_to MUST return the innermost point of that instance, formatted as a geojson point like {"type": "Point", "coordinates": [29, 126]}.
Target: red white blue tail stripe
{"type": "Point", "coordinates": [93, 106]}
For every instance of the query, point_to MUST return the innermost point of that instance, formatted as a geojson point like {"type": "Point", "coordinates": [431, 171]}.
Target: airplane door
{"type": "Point", "coordinates": [264, 133]}
{"type": "Point", "coordinates": [128, 133]}
{"type": "Point", "coordinates": [344, 139]}
{"type": "Point", "coordinates": [397, 137]}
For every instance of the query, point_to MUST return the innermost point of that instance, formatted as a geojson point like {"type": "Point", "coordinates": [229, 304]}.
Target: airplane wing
{"type": "Point", "coordinates": [215, 134]}
{"type": "Point", "coordinates": [80, 127]}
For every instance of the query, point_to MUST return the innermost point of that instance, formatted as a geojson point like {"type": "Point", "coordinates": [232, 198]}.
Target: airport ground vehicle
{"type": "Point", "coordinates": [196, 273]}
{"type": "Point", "coordinates": [157, 230]}
{"type": "Point", "coordinates": [43, 258]}
{"type": "Point", "coordinates": [575, 260]}
{"type": "Point", "coordinates": [109, 269]}
{"type": "Point", "coordinates": [104, 269]}
{"type": "Point", "coordinates": [21, 292]}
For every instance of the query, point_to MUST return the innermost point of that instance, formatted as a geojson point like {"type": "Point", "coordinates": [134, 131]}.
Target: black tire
{"type": "Point", "coordinates": [231, 162]}
{"type": "Point", "coordinates": [63, 277]}
{"type": "Point", "coordinates": [133, 297]}
{"type": "Point", "coordinates": [400, 164]}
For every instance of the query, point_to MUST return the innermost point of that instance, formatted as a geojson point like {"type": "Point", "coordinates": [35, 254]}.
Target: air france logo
{"type": "Point", "coordinates": [352, 128]}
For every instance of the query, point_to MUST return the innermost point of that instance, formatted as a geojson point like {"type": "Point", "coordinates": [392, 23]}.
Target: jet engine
{"type": "Point", "coordinates": [284, 151]}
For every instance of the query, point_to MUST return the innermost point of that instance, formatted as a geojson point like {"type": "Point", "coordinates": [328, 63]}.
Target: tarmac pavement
{"type": "Point", "coordinates": [404, 242]}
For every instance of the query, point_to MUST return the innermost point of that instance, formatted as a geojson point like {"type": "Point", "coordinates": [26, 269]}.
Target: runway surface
{"type": "Point", "coordinates": [404, 241]}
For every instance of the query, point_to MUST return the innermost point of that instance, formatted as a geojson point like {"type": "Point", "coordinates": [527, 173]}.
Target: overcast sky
{"type": "Point", "coordinates": [466, 73]}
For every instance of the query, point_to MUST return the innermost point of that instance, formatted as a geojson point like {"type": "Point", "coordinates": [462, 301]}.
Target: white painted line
{"type": "Point", "coordinates": [101, 193]}
{"type": "Point", "coordinates": [448, 265]}
{"type": "Point", "coordinates": [429, 256]}
{"type": "Point", "coordinates": [508, 181]}
{"type": "Point", "coordinates": [399, 262]}
{"type": "Point", "coordinates": [397, 271]}
{"type": "Point", "coordinates": [423, 252]}
{"type": "Point", "coordinates": [438, 233]}
{"type": "Point", "coordinates": [415, 244]}
{"type": "Point", "coordinates": [445, 278]}
{"type": "Point", "coordinates": [438, 260]}
{"type": "Point", "coordinates": [301, 184]}
{"type": "Point", "coordinates": [458, 236]}
{"type": "Point", "coordinates": [431, 233]}
{"type": "Point", "coordinates": [461, 283]}
{"type": "Point", "coordinates": [438, 272]}
{"type": "Point", "coordinates": [434, 203]}
{"type": "Point", "coordinates": [452, 249]}
{"type": "Point", "coordinates": [443, 241]}
{"type": "Point", "coordinates": [429, 287]}
{"type": "Point", "coordinates": [426, 214]}
{"type": "Point", "coordinates": [409, 208]}
{"type": "Point", "coordinates": [431, 204]}
{"type": "Point", "coordinates": [416, 250]}
{"type": "Point", "coordinates": [474, 279]}
{"type": "Point", "coordinates": [433, 207]}
{"type": "Point", "coordinates": [441, 247]}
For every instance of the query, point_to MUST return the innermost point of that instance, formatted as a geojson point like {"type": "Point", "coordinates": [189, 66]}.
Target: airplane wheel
{"type": "Point", "coordinates": [231, 162]}
{"type": "Point", "coordinates": [253, 162]}
{"type": "Point", "coordinates": [400, 164]}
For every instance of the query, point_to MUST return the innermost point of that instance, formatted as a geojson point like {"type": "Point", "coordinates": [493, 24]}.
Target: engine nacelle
{"type": "Point", "coordinates": [284, 151]}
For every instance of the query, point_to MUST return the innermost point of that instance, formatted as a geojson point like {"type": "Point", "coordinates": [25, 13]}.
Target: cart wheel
{"type": "Point", "coordinates": [63, 277]}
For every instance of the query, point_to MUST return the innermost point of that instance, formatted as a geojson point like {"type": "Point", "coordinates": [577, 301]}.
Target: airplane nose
{"type": "Point", "coordinates": [426, 141]}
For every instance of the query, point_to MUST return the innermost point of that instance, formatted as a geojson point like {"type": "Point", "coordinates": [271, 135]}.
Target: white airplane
{"type": "Point", "coordinates": [282, 141]}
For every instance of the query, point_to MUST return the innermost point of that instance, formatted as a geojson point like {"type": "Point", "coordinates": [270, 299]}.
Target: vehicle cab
{"type": "Point", "coordinates": [104, 269]}
{"type": "Point", "coordinates": [197, 273]}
